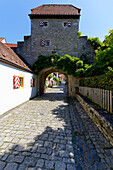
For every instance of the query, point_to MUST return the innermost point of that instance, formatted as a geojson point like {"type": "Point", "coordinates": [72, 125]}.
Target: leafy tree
{"type": "Point", "coordinates": [109, 39]}
{"type": "Point", "coordinates": [104, 56]}
{"type": "Point", "coordinates": [95, 42]}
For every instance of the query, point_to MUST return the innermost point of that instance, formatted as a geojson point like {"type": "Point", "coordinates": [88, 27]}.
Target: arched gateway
{"type": "Point", "coordinates": [42, 78]}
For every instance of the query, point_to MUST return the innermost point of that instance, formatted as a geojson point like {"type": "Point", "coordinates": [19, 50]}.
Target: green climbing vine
{"type": "Point", "coordinates": [71, 65]}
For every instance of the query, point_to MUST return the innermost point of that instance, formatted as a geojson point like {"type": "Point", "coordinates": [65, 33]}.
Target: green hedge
{"type": "Point", "coordinates": [103, 81]}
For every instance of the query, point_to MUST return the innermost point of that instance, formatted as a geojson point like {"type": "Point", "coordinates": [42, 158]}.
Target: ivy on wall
{"type": "Point", "coordinates": [71, 65]}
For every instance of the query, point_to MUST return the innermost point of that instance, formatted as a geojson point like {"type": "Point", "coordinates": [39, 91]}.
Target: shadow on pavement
{"type": "Point", "coordinates": [53, 149]}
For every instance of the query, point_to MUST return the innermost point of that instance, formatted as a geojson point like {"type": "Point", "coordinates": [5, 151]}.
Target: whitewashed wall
{"type": "Point", "coordinates": [10, 97]}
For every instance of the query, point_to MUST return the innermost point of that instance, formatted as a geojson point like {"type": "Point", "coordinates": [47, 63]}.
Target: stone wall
{"type": "Point", "coordinates": [63, 40]}
{"type": "Point", "coordinates": [73, 84]}
{"type": "Point", "coordinates": [104, 126]}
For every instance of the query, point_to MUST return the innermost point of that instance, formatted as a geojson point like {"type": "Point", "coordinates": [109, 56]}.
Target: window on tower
{"type": "Point", "coordinates": [65, 24]}
{"type": "Point", "coordinates": [47, 43]}
{"type": "Point", "coordinates": [45, 23]}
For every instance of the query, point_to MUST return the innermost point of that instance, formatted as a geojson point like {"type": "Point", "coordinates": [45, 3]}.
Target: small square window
{"type": "Point", "coordinates": [65, 24]}
{"type": "Point", "coordinates": [47, 43]}
{"type": "Point", "coordinates": [45, 23]}
{"type": "Point", "coordinates": [21, 81]}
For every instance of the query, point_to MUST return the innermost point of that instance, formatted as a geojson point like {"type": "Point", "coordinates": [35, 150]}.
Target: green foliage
{"type": "Point", "coordinates": [68, 64]}
{"type": "Point", "coordinates": [45, 62]}
{"type": "Point", "coordinates": [109, 39]}
{"type": "Point", "coordinates": [102, 69]}
{"type": "Point", "coordinates": [79, 72]}
{"type": "Point", "coordinates": [79, 64]}
{"type": "Point", "coordinates": [84, 58]}
{"type": "Point", "coordinates": [56, 79]}
{"type": "Point", "coordinates": [110, 69]}
{"type": "Point", "coordinates": [42, 62]}
{"type": "Point", "coordinates": [79, 34]}
{"type": "Point", "coordinates": [95, 42]}
{"type": "Point", "coordinates": [50, 76]}
{"type": "Point", "coordinates": [104, 81]}
{"type": "Point", "coordinates": [104, 56]}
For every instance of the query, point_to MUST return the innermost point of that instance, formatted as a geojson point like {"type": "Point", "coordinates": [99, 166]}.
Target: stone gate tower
{"type": "Point", "coordinates": [54, 30]}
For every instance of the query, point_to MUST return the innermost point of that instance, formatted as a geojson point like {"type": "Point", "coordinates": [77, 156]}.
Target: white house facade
{"type": "Point", "coordinates": [17, 82]}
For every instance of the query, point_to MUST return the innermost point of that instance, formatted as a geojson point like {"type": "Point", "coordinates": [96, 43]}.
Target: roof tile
{"type": "Point", "coordinates": [56, 10]}
{"type": "Point", "coordinates": [11, 45]}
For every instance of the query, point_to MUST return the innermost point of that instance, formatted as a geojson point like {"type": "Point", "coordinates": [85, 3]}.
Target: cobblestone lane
{"type": "Point", "coordinates": [52, 132]}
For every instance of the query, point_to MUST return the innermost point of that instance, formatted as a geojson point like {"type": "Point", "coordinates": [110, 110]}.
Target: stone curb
{"type": "Point", "coordinates": [103, 125]}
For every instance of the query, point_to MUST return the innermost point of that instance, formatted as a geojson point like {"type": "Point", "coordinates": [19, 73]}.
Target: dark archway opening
{"type": "Point", "coordinates": [42, 78]}
{"type": "Point", "coordinates": [56, 84]}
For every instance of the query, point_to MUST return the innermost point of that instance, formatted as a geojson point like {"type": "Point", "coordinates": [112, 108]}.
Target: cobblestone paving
{"type": "Point", "coordinates": [52, 132]}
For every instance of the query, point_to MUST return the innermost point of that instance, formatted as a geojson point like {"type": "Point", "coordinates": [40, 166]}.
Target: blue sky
{"type": "Point", "coordinates": [96, 17]}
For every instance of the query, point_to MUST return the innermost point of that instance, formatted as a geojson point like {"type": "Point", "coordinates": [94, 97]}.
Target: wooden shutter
{"type": "Point", "coordinates": [42, 42]}
{"type": "Point", "coordinates": [16, 81]}
{"type": "Point", "coordinates": [31, 82]}
{"type": "Point", "coordinates": [69, 24]}
{"type": "Point", "coordinates": [41, 23]}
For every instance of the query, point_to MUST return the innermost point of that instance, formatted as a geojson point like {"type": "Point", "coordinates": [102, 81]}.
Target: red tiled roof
{"type": "Point", "coordinates": [9, 56]}
{"type": "Point", "coordinates": [10, 45]}
{"type": "Point", "coordinates": [56, 10]}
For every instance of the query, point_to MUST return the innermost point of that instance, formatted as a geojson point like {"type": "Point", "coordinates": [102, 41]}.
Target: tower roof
{"type": "Point", "coordinates": [55, 10]}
